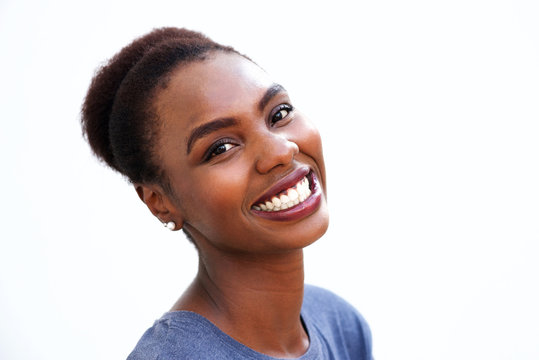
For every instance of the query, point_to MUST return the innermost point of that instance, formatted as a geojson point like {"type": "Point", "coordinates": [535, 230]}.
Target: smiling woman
{"type": "Point", "coordinates": [213, 146]}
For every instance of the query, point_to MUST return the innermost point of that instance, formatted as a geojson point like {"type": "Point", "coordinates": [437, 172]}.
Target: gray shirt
{"type": "Point", "coordinates": [336, 331]}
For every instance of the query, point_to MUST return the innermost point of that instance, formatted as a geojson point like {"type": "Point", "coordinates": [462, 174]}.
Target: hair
{"type": "Point", "coordinates": [118, 116]}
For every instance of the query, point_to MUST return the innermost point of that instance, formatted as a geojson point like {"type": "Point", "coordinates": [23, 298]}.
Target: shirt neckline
{"type": "Point", "coordinates": [237, 346]}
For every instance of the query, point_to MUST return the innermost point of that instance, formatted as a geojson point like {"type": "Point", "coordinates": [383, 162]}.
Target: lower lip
{"type": "Point", "coordinates": [304, 209]}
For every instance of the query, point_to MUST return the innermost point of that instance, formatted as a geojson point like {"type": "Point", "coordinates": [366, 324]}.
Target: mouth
{"type": "Point", "coordinates": [287, 198]}
{"type": "Point", "coordinates": [294, 197]}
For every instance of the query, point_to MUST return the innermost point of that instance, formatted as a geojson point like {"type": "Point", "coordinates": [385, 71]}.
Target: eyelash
{"type": "Point", "coordinates": [210, 153]}
{"type": "Point", "coordinates": [287, 107]}
{"type": "Point", "coordinates": [278, 111]}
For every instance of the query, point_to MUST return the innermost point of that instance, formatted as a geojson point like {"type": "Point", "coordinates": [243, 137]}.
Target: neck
{"type": "Point", "coordinates": [256, 299]}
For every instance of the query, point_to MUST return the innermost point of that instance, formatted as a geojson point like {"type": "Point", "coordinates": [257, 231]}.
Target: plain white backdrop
{"type": "Point", "coordinates": [429, 112]}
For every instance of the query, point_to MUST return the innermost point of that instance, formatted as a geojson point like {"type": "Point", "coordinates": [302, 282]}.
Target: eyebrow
{"type": "Point", "coordinates": [208, 128]}
{"type": "Point", "coordinates": [273, 90]}
{"type": "Point", "coordinates": [212, 126]}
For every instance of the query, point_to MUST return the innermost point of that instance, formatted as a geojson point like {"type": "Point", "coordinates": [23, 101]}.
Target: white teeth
{"type": "Point", "coordinates": [293, 196]}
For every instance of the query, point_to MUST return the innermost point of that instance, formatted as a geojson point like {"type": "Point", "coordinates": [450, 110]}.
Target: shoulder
{"type": "Point", "coordinates": [328, 305]}
{"type": "Point", "coordinates": [318, 297]}
{"type": "Point", "coordinates": [337, 321]}
{"type": "Point", "coordinates": [179, 335]}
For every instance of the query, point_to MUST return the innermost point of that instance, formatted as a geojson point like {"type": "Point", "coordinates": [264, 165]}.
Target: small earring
{"type": "Point", "coordinates": [171, 225]}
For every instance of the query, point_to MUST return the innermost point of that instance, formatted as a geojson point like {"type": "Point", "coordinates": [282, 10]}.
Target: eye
{"type": "Point", "coordinates": [280, 113]}
{"type": "Point", "coordinates": [219, 148]}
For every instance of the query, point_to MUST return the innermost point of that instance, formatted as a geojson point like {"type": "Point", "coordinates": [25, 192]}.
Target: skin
{"type": "Point", "coordinates": [250, 276]}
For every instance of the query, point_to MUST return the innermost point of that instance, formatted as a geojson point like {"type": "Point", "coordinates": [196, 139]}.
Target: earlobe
{"type": "Point", "coordinates": [159, 205]}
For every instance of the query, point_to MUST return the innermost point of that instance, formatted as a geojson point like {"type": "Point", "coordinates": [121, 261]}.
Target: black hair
{"type": "Point", "coordinates": [118, 118]}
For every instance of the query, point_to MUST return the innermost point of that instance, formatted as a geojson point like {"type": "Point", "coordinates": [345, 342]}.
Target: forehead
{"type": "Point", "coordinates": [218, 86]}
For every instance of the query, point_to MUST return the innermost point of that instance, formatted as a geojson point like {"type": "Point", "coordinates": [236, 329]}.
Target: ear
{"type": "Point", "coordinates": [159, 204]}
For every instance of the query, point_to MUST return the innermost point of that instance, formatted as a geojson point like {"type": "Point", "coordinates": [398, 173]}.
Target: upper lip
{"type": "Point", "coordinates": [286, 182]}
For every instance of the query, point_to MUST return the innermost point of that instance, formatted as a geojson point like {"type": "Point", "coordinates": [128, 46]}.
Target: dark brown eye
{"type": "Point", "coordinates": [281, 112]}
{"type": "Point", "coordinates": [221, 149]}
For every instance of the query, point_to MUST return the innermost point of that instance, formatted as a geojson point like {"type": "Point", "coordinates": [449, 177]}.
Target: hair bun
{"type": "Point", "coordinates": [99, 100]}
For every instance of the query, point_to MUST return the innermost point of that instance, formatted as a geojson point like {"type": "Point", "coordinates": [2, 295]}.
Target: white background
{"type": "Point", "coordinates": [429, 112]}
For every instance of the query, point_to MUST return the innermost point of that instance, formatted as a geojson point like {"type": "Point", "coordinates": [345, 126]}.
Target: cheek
{"type": "Point", "coordinates": [307, 137]}
{"type": "Point", "coordinates": [304, 132]}
{"type": "Point", "coordinates": [214, 198]}
{"type": "Point", "coordinates": [309, 141]}
{"type": "Point", "coordinates": [314, 141]}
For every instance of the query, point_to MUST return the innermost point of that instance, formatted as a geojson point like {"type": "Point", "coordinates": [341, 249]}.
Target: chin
{"type": "Point", "coordinates": [310, 231]}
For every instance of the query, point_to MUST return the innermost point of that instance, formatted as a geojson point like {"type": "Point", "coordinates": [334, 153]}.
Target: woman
{"type": "Point", "coordinates": [214, 147]}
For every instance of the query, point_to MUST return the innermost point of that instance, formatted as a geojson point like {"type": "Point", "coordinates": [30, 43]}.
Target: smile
{"type": "Point", "coordinates": [286, 199]}
{"type": "Point", "coordinates": [295, 197]}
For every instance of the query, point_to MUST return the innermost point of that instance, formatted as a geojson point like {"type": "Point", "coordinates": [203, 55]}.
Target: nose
{"type": "Point", "coordinates": [274, 150]}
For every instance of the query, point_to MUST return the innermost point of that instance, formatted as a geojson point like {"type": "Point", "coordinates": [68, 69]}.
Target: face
{"type": "Point", "coordinates": [245, 166]}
